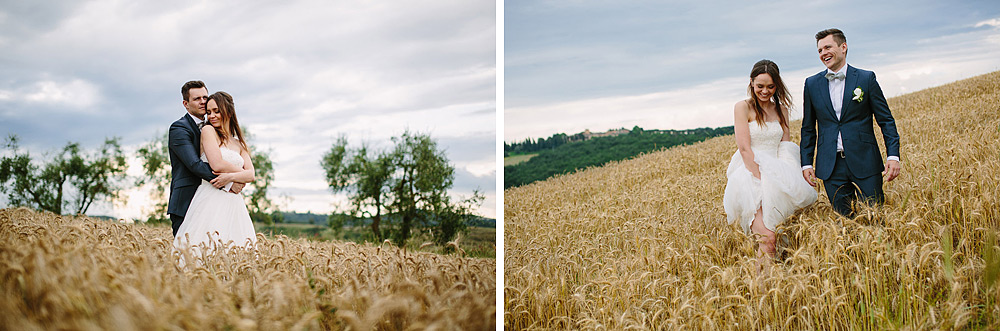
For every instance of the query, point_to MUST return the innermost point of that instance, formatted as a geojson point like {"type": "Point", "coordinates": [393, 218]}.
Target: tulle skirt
{"type": "Point", "coordinates": [780, 191]}
{"type": "Point", "coordinates": [216, 218]}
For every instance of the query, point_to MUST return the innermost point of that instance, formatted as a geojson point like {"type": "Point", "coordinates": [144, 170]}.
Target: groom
{"type": "Point", "coordinates": [186, 168]}
{"type": "Point", "coordinates": [839, 104]}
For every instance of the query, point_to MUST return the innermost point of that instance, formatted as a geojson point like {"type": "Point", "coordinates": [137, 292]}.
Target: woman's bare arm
{"type": "Point", "coordinates": [787, 136]}
{"type": "Point", "coordinates": [741, 126]}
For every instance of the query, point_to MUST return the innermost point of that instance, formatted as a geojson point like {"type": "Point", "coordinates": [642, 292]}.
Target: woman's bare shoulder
{"type": "Point", "coordinates": [742, 105]}
{"type": "Point", "coordinates": [208, 128]}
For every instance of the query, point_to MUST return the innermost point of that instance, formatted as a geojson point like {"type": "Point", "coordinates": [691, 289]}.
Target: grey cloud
{"type": "Point", "coordinates": [564, 51]}
{"type": "Point", "coordinates": [481, 146]}
{"type": "Point", "coordinates": [24, 20]}
{"type": "Point", "coordinates": [467, 182]}
{"type": "Point", "coordinates": [296, 69]}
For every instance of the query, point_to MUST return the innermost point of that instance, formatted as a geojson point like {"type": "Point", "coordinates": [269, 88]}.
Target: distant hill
{"type": "Point", "coordinates": [288, 217]}
{"type": "Point", "coordinates": [305, 218]}
{"type": "Point", "coordinates": [321, 219]}
{"type": "Point", "coordinates": [531, 146]}
{"type": "Point", "coordinates": [478, 221]}
{"type": "Point", "coordinates": [484, 222]}
{"type": "Point", "coordinates": [566, 156]}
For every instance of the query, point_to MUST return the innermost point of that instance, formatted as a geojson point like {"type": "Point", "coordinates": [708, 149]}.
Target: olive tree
{"type": "Point", "coordinates": [408, 182]}
{"type": "Point", "coordinates": [73, 177]}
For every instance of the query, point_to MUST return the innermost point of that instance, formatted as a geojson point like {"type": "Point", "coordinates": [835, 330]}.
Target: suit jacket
{"type": "Point", "coordinates": [186, 167]}
{"type": "Point", "coordinates": [820, 125]}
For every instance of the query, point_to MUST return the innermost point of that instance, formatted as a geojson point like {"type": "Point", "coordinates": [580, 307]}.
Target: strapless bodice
{"type": "Point", "coordinates": [765, 138]}
{"type": "Point", "coordinates": [228, 155]}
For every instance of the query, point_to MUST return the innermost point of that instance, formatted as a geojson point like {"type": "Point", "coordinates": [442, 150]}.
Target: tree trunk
{"type": "Point", "coordinates": [405, 229]}
{"type": "Point", "coordinates": [59, 198]}
{"type": "Point", "coordinates": [375, 222]}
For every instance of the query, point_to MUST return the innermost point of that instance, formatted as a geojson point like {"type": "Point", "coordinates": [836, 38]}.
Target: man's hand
{"type": "Point", "coordinates": [892, 169]}
{"type": "Point", "coordinates": [237, 187]}
{"type": "Point", "coordinates": [810, 176]}
{"type": "Point", "coordinates": [222, 179]}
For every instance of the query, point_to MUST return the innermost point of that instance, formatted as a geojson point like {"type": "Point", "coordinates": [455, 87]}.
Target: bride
{"type": "Point", "coordinates": [765, 184]}
{"type": "Point", "coordinates": [218, 218]}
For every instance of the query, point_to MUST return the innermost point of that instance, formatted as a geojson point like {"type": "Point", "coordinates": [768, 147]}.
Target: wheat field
{"type": "Point", "coordinates": [644, 243]}
{"type": "Point", "coordinates": [77, 273]}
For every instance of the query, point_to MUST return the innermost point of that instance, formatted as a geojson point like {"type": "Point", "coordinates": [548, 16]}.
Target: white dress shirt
{"type": "Point", "coordinates": [837, 99]}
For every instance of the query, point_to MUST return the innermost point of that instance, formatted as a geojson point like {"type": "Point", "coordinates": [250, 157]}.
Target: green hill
{"type": "Point", "coordinates": [572, 156]}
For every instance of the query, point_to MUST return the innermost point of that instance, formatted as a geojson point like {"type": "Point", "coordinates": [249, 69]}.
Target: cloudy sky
{"type": "Point", "coordinates": [577, 64]}
{"type": "Point", "coordinates": [302, 73]}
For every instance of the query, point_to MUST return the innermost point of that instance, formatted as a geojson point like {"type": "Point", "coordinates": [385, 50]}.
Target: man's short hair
{"type": "Point", "coordinates": [186, 89]}
{"type": "Point", "coordinates": [838, 36]}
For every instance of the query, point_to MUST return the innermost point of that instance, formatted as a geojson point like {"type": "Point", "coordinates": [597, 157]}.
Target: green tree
{"type": "Point", "coordinates": [87, 176]}
{"type": "Point", "coordinates": [367, 177]}
{"type": "Point", "coordinates": [423, 179]}
{"type": "Point", "coordinates": [156, 172]}
{"type": "Point", "coordinates": [410, 181]}
{"type": "Point", "coordinates": [454, 218]}
{"type": "Point", "coordinates": [277, 216]}
{"type": "Point", "coordinates": [260, 206]}
{"type": "Point", "coordinates": [336, 222]}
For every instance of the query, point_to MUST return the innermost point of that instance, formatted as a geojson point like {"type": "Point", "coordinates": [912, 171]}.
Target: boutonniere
{"type": "Point", "coordinates": [858, 94]}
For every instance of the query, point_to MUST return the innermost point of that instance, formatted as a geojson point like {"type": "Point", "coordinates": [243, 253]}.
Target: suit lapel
{"type": "Point", "coordinates": [197, 133]}
{"type": "Point", "coordinates": [824, 91]}
{"type": "Point", "coordinates": [850, 83]}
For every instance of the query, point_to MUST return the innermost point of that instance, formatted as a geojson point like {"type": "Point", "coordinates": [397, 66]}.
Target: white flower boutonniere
{"type": "Point", "coordinates": [858, 94]}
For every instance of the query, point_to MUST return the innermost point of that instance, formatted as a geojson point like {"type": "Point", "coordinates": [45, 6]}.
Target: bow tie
{"type": "Point", "coordinates": [831, 76]}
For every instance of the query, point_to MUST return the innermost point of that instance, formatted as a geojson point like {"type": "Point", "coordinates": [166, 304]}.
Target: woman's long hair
{"type": "Point", "coordinates": [229, 126]}
{"type": "Point", "coordinates": [780, 96]}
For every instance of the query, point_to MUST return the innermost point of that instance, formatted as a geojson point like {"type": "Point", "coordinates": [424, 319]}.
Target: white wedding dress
{"type": "Point", "coordinates": [780, 191]}
{"type": "Point", "coordinates": [215, 217]}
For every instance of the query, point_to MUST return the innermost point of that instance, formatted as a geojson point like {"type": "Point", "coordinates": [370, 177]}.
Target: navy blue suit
{"type": "Point", "coordinates": [186, 168]}
{"type": "Point", "coordinates": [862, 161]}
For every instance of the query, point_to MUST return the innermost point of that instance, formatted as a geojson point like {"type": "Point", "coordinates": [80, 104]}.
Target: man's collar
{"type": "Point", "coordinates": [196, 120]}
{"type": "Point", "coordinates": [842, 69]}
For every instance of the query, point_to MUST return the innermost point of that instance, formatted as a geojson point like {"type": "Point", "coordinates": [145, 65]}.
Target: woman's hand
{"type": "Point", "coordinates": [237, 187]}
{"type": "Point", "coordinates": [223, 178]}
{"type": "Point", "coordinates": [754, 169]}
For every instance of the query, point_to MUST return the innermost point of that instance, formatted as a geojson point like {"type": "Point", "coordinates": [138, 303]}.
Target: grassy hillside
{"type": "Point", "coordinates": [570, 157]}
{"type": "Point", "coordinates": [60, 272]}
{"type": "Point", "coordinates": [644, 243]}
{"type": "Point", "coordinates": [513, 160]}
